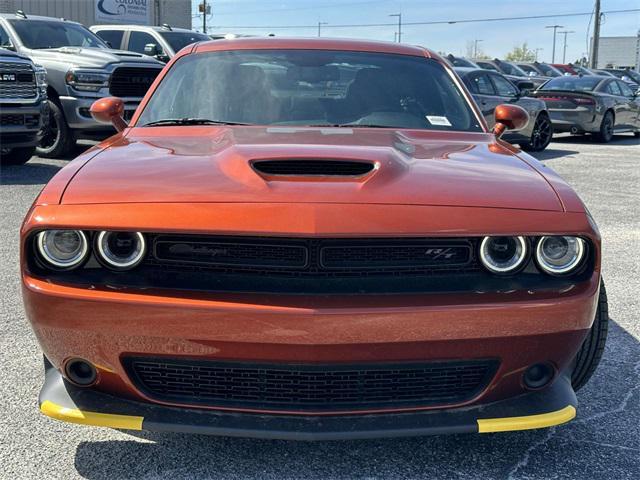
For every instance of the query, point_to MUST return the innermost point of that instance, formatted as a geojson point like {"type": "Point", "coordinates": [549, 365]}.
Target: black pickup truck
{"type": "Point", "coordinates": [23, 107]}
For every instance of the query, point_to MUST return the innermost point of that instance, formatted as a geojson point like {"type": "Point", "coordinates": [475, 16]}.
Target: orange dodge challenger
{"type": "Point", "coordinates": [311, 239]}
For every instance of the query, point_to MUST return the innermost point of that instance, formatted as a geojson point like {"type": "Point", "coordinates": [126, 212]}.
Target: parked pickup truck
{"type": "Point", "coordinates": [23, 107]}
{"type": "Point", "coordinates": [81, 68]}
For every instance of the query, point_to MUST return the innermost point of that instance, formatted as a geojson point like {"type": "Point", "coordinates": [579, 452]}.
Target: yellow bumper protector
{"type": "Point", "coordinates": [507, 424]}
{"type": "Point", "coordinates": [73, 415]}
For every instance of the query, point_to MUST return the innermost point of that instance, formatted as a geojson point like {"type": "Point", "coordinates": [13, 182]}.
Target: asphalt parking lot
{"type": "Point", "coordinates": [602, 442]}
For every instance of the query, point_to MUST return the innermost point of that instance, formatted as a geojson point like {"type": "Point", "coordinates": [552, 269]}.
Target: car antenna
{"type": "Point", "coordinates": [166, 26]}
{"type": "Point", "coordinates": [21, 14]}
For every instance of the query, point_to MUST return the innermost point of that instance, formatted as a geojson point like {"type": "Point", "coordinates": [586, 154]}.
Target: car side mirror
{"type": "Point", "coordinates": [151, 49]}
{"type": "Point", "coordinates": [8, 47]}
{"type": "Point", "coordinates": [109, 110]}
{"type": "Point", "coordinates": [509, 117]}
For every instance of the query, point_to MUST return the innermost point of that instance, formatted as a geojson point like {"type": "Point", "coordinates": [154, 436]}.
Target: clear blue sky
{"type": "Point", "coordinates": [498, 38]}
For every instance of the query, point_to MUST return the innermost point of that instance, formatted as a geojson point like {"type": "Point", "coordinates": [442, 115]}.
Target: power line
{"type": "Point", "coordinates": [436, 22]}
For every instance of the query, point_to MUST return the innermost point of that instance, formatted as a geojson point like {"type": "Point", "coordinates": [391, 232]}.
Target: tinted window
{"type": "Point", "coordinates": [549, 71]}
{"type": "Point", "coordinates": [504, 87]}
{"type": "Point", "coordinates": [613, 89]}
{"type": "Point", "coordinates": [312, 87]}
{"type": "Point", "coordinates": [487, 66]}
{"type": "Point", "coordinates": [5, 41]}
{"type": "Point", "coordinates": [53, 34]}
{"type": "Point", "coordinates": [137, 41]}
{"type": "Point", "coordinates": [573, 84]}
{"type": "Point", "coordinates": [114, 37]}
{"type": "Point", "coordinates": [179, 40]}
{"type": "Point", "coordinates": [625, 89]}
{"type": "Point", "coordinates": [482, 85]}
{"type": "Point", "coordinates": [511, 69]}
{"type": "Point", "coordinates": [528, 69]}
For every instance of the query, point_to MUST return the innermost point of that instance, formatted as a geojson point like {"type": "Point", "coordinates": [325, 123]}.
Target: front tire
{"type": "Point", "coordinates": [540, 136]}
{"type": "Point", "coordinates": [590, 353]}
{"type": "Point", "coordinates": [16, 156]}
{"type": "Point", "coordinates": [605, 135]}
{"type": "Point", "coordinates": [58, 140]}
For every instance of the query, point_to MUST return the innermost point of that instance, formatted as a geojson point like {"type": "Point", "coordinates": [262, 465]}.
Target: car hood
{"type": "Point", "coordinates": [89, 57]}
{"type": "Point", "coordinates": [214, 164]}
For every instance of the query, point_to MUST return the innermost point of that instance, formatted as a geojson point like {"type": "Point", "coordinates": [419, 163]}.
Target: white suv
{"type": "Point", "coordinates": [161, 43]}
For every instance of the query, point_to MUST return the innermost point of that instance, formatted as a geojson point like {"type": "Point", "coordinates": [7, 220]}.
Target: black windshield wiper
{"type": "Point", "coordinates": [348, 125]}
{"type": "Point", "coordinates": [190, 121]}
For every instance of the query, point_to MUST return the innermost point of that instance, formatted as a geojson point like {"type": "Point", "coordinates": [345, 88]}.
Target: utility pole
{"type": "Point", "coordinates": [596, 36]}
{"type": "Point", "coordinates": [320, 26]}
{"type": "Point", "coordinates": [564, 50]}
{"type": "Point", "coordinates": [399, 15]}
{"type": "Point", "coordinates": [538, 50]}
{"type": "Point", "coordinates": [555, 29]}
{"type": "Point", "coordinates": [475, 47]}
{"type": "Point", "coordinates": [204, 16]}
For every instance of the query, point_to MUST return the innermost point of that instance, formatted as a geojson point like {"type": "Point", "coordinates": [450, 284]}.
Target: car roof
{"type": "Point", "coordinates": [157, 28]}
{"type": "Point", "coordinates": [13, 16]}
{"type": "Point", "coordinates": [298, 43]}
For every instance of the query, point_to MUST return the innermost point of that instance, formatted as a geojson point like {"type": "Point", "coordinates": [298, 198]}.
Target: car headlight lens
{"type": "Point", "coordinates": [62, 248]}
{"type": "Point", "coordinates": [503, 254]}
{"type": "Point", "coordinates": [121, 250]}
{"type": "Point", "coordinates": [559, 255]}
{"type": "Point", "coordinates": [87, 81]}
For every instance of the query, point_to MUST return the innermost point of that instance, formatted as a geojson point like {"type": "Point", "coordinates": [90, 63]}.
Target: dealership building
{"type": "Point", "coordinates": [176, 13]}
{"type": "Point", "coordinates": [619, 52]}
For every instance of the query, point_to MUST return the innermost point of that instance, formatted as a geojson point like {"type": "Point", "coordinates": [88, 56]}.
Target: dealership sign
{"type": "Point", "coordinates": [123, 11]}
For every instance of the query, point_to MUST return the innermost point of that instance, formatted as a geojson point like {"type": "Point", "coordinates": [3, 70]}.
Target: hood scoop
{"type": "Point", "coordinates": [313, 168]}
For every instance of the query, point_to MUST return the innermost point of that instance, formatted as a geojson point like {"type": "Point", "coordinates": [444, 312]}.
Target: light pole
{"type": "Point", "coordinates": [564, 49]}
{"type": "Point", "coordinates": [320, 26]}
{"type": "Point", "coordinates": [399, 15]}
{"type": "Point", "coordinates": [555, 29]}
{"type": "Point", "coordinates": [475, 47]}
{"type": "Point", "coordinates": [538, 50]}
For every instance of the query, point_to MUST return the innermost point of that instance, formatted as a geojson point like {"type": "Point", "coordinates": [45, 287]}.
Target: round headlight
{"type": "Point", "coordinates": [62, 248]}
{"type": "Point", "coordinates": [559, 255]}
{"type": "Point", "coordinates": [503, 254]}
{"type": "Point", "coordinates": [121, 250]}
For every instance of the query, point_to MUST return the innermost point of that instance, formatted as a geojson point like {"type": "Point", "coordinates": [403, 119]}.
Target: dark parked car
{"type": "Point", "coordinates": [629, 76]}
{"type": "Point", "coordinates": [24, 112]}
{"type": "Point", "coordinates": [490, 89]}
{"type": "Point", "coordinates": [591, 104]}
{"type": "Point", "coordinates": [460, 61]}
{"type": "Point", "coordinates": [513, 72]}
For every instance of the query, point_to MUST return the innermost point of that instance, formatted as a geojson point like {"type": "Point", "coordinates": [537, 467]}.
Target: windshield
{"type": "Point", "coordinates": [549, 71]}
{"type": "Point", "coordinates": [462, 62]}
{"type": "Point", "coordinates": [179, 40]}
{"type": "Point", "coordinates": [311, 87]}
{"type": "Point", "coordinates": [511, 69]}
{"type": "Point", "coordinates": [39, 34]}
{"type": "Point", "coordinates": [528, 69]}
{"type": "Point", "coordinates": [625, 73]}
{"type": "Point", "coordinates": [573, 84]}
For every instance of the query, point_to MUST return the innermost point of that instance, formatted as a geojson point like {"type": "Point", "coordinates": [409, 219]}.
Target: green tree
{"type": "Point", "coordinates": [521, 54]}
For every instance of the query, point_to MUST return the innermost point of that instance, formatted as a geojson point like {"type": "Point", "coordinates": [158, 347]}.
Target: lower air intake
{"type": "Point", "coordinates": [311, 387]}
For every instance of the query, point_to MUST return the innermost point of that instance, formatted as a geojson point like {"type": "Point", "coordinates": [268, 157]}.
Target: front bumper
{"type": "Point", "coordinates": [29, 124]}
{"type": "Point", "coordinates": [62, 401]}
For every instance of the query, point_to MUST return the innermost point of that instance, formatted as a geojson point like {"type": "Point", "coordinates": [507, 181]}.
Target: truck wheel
{"type": "Point", "coordinates": [540, 136]}
{"type": "Point", "coordinates": [606, 128]}
{"type": "Point", "coordinates": [16, 156]}
{"type": "Point", "coordinates": [590, 353]}
{"type": "Point", "coordinates": [58, 140]}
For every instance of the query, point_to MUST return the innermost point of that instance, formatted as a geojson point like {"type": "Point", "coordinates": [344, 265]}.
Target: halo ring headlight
{"type": "Point", "coordinates": [63, 249]}
{"type": "Point", "coordinates": [121, 250]}
{"type": "Point", "coordinates": [503, 255]}
{"type": "Point", "coordinates": [558, 255]}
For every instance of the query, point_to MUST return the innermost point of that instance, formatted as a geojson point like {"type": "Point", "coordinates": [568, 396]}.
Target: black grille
{"type": "Point", "coordinates": [341, 168]}
{"type": "Point", "coordinates": [310, 386]}
{"type": "Point", "coordinates": [132, 81]}
{"type": "Point", "coordinates": [313, 257]}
